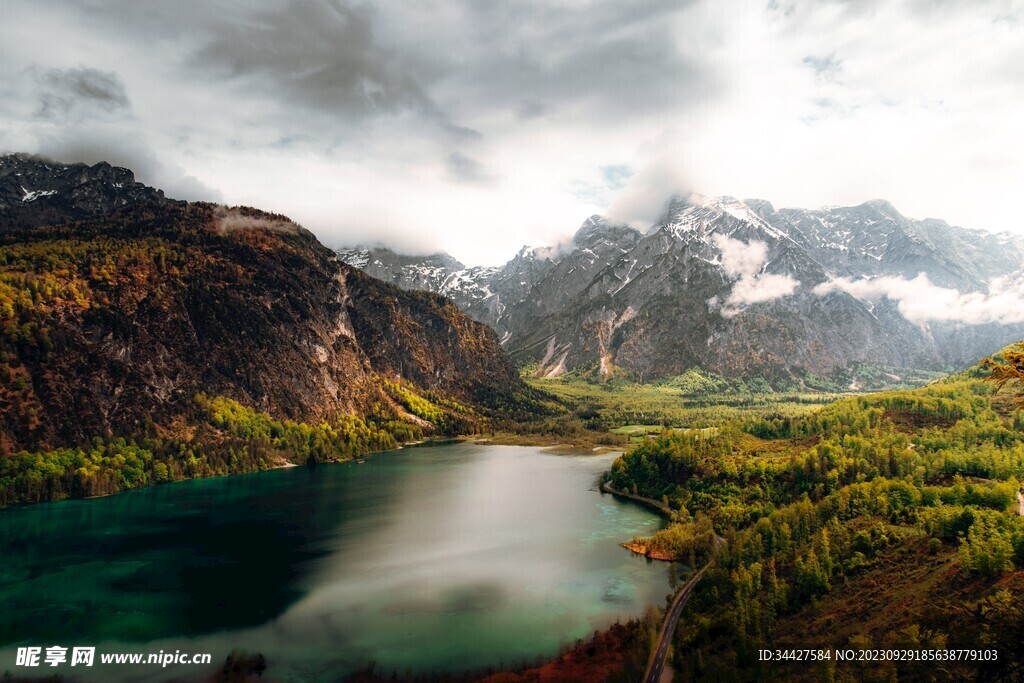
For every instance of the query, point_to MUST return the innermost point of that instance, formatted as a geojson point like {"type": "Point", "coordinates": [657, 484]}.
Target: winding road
{"type": "Point", "coordinates": [656, 664]}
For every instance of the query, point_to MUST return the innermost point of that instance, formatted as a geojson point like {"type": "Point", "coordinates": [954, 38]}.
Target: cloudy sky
{"type": "Point", "coordinates": [478, 126]}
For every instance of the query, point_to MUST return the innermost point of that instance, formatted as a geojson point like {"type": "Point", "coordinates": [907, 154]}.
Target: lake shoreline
{"type": "Point", "coordinates": [283, 464]}
{"type": "Point", "coordinates": [329, 524]}
{"type": "Point", "coordinates": [662, 509]}
{"type": "Point", "coordinates": [648, 552]}
{"type": "Point", "coordinates": [585, 441]}
{"type": "Point", "coordinates": [554, 444]}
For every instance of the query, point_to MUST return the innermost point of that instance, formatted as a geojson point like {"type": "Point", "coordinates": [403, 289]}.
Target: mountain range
{"type": "Point", "coordinates": [120, 308]}
{"type": "Point", "coordinates": [737, 288]}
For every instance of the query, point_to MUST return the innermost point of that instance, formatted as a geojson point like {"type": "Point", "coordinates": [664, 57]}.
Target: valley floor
{"type": "Point", "coordinates": [889, 520]}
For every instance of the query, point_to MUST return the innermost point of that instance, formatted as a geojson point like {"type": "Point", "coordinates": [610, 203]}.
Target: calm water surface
{"type": "Point", "coordinates": [451, 557]}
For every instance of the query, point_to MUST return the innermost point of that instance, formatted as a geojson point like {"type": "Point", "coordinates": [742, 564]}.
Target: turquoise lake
{"type": "Point", "coordinates": [450, 557]}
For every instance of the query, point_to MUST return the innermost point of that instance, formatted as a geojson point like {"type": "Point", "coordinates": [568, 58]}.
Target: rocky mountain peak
{"type": "Point", "coordinates": [36, 191]}
{"type": "Point", "coordinates": [532, 252]}
{"type": "Point", "coordinates": [695, 217]}
{"type": "Point", "coordinates": [883, 207]}
{"type": "Point", "coordinates": [762, 207]}
{"type": "Point", "coordinates": [598, 233]}
{"type": "Point", "coordinates": [664, 302]}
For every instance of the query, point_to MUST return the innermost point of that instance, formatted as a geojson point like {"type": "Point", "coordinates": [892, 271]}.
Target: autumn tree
{"type": "Point", "coordinates": [1011, 371]}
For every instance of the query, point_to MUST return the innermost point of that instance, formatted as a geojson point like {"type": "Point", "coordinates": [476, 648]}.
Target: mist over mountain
{"type": "Point", "coordinates": [37, 191]}
{"type": "Point", "coordinates": [741, 288]}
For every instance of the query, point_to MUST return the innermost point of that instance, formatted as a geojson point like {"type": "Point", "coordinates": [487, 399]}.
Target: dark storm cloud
{"type": "Point", "coordinates": [348, 62]}
{"type": "Point", "coordinates": [355, 115]}
{"type": "Point", "coordinates": [376, 89]}
{"type": "Point", "coordinates": [300, 64]}
{"type": "Point", "coordinates": [463, 169]}
{"type": "Point", "coordinates": [328, 66]}
{"type": "Point", "coordinates": [90, 145]}
{"type": "Point", "coordinates": [82, 90]}
{"type": "Point", "coordinates": [614, 57]}
{"type": "Point", "coordinates": [322, 55]}
{"type": "Point", "coordinates": [352, 61]}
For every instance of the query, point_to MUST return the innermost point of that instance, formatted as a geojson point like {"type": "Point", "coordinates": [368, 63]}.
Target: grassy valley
{"type": "Point", "coordinates": [590, 412]}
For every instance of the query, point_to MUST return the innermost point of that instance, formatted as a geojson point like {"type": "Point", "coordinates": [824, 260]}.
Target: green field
{"type": "Point", "coordinates": [631, 408]}
{"type": "Point", "coordinates": [620, 413]}
{"type": "Point", "coordinates": [634, 430]}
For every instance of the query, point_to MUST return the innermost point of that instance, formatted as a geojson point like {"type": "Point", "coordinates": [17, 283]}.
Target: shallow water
{"type": "Point", "coordinates": [452, 557]}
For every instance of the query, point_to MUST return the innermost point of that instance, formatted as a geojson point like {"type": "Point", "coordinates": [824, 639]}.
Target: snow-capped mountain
{"type": "Point", "coordinates": [34, 191]}
{"type": "Point", "coordinates": [486, 293]}
{"type": "Point", "coordinates": [409, 272]}
{"type": "Point", "coordinates": [731, 286]}
{"type": "Point", "coordinates": [875, 239]}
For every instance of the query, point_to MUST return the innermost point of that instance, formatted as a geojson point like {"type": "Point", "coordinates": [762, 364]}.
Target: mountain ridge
{"type": "Point", "coordinates": [168, 328]}
{"type": "Point", "coordinates": [36, 191]}
{"type": "Point", "coordinates": [657, 303]}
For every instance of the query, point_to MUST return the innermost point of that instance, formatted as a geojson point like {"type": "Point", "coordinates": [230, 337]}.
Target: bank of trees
{"type": "Point", "coordinates": [226, 438]}
{"type": "Point", "coordinates": [809, 503]}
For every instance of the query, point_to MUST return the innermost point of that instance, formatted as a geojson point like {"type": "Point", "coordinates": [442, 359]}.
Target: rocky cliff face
{"type": "Point", "coordinates": [729, 286]}
{"type": "Point", "coordinates": [112, 325]}
{"type": "Point", "coordinates": [485, 293]}
{"type": "Point", "coordinates": [875, 239]}
{"type": "Point", "coordinates": [36, 191]}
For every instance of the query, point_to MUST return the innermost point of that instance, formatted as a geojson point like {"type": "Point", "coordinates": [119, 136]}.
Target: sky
{"type": "Point", "coordinates": [476, 127]}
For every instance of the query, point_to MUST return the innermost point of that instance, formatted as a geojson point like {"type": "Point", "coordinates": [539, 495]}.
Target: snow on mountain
{"type": "Point", "coordinates": [473, 289]}
{"type": "Point", "coordinates": [35, 192]}
{"type": "Point", "coordinates": [875, 239]}
{"type": "Point", "coordinates": [32, 195]}
{"type": "Point", "coordinates": [724, 284]}
{"type": "Point", "coordinates": [697, 216]}
{"type": "Point", "coordinates": [357, 258]}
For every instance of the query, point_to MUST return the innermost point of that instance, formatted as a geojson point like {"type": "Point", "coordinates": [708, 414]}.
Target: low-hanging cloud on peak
{"type": "Point", "coordinates": [91, 144]}
{"type": "Point", "coordinates": [364, 120]}
{"type": "Point", "coordinates": [744, 261]}
{"type": "Point", "coordinates": [230, 219]}
{"type": "Point", "coordinates": [918, 300]}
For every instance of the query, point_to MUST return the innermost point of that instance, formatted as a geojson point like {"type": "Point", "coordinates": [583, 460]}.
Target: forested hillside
{"type": "Point", "coordinates": [886, 520]}
{"type": "Point", "coordinates": [168, 340]}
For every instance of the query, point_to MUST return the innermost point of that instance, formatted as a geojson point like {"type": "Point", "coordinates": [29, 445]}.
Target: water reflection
{"type": "Point", "coordinates": [451, 557]}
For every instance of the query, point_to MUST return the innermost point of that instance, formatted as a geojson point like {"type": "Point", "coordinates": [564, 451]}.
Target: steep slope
{"type": "Point", "coordinates": [190, 328]}
{"type": "Point", "coordinates": [729, 286]}
{"type": "Point", "coordinates": [121, 320]}
{"type": "Point", "coordinates": [485, 293]}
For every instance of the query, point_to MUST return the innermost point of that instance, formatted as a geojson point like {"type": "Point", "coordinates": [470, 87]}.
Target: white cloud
{"type": "Point", "coordinates": [472, 127]}
{"type": "Point", "coordinates": [744, 262]}
{"type": "Point", "coordinates": [231, 219]}
{"type": "Point", "coordinates": [643, 199]}
{"type": "Point", "coordinates": [920, 301]}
